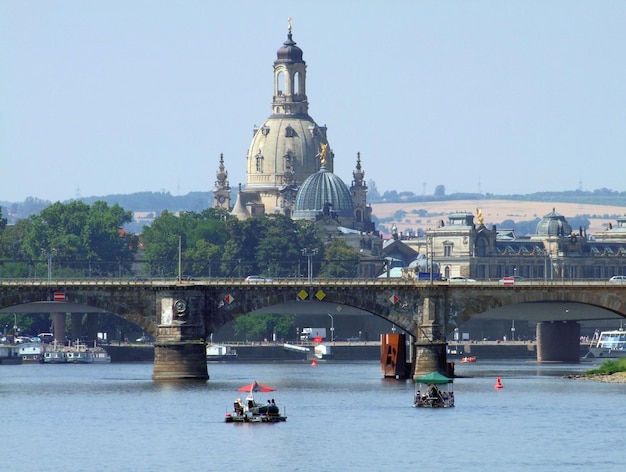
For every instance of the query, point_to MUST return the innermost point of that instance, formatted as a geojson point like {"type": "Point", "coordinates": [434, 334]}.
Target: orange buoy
{"type": "Point", "coordinates": [313, 362]}
{"type": "Point", "coordinates": [498, 384]}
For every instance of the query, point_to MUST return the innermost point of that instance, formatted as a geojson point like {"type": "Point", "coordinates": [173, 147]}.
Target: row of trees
{"type": "Point", "coordinates": [79, 240]}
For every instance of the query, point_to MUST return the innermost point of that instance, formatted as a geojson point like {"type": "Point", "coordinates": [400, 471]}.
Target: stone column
{"type": "Point", "coordinates": [430, 345]}
{"type": "Point", "coordinates": [558, 341]}
{"type": "Point", "coordinates": [179, 348]}
{"type": "Point", "coordinates": [58, 323]}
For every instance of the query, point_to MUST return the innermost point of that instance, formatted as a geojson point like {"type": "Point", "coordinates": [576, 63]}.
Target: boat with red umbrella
{"type": "Point", "coordinates": [250, 411]}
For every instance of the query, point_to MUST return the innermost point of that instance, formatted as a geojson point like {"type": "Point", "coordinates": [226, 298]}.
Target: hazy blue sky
{"type": "Point", "coordinates": [101, 97]}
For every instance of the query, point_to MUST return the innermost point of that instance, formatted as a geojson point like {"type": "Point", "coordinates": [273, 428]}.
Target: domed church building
{"type": "Point", "coordinates": [289, 165]}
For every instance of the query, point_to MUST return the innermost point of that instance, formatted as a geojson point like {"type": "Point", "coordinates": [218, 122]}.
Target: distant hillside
{"type": "Point", "coordinates": [416, 216]}
{"type": "Point", "coordinates": [152, 202]}
{"type": "Point", "coordinates": [406, 209]}
{"type": "Point", "coordinates": [596, 197]}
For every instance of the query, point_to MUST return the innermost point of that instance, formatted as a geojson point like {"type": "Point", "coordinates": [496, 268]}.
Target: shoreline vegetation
{"type": "Point", "coordinates": [610, 371]}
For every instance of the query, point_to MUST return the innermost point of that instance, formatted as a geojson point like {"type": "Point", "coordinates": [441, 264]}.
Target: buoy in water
{"type": "Point", "coordinates": [313, 362]}
{"type": "Point", "coordinates": [498, 384]}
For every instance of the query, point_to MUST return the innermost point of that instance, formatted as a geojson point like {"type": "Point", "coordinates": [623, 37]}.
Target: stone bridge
{"type": "Point", "coordinates": [181, 315]}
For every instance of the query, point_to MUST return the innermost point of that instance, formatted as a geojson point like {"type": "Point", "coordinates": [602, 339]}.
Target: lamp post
{"type": "Point", "coordinates": [429, 257]}
{"type": "Point", "coordinates": [49, 254]}
{"type": "Point", "coordinates": [309, 253]}
{"type": "Point", "coordinates": [332, 328]}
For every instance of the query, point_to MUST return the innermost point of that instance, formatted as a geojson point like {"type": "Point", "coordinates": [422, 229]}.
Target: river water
{"type": "Point", "coordinates": [341, 416]}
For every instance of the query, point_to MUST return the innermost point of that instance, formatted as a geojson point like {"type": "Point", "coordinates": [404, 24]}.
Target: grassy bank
{"type": "Point", "coordinates": [609, 367]}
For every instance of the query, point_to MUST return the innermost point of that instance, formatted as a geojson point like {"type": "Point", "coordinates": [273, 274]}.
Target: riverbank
{"type": "Point", "coordinates": [617, 377]}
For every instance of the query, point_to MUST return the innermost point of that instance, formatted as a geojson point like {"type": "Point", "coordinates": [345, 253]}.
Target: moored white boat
{"type": "Point", "coordinates": [54, 354]}
{"type": "Point", "coordinates": [610, 344]}
{"type": "Point", "coordinates": [77, 353]}
{"type": "Point", "coordinates": [217, 353]}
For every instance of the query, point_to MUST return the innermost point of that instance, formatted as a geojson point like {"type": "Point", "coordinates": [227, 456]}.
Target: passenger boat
{"type": "Point", "coordinates": [78, 353]}
{"type": "Point", "coordinates": [609, 344]}
{"type": "Point", "coordinates": [54, 354]}
{"type": "Point", "coordinates": [216, 353]}
{"type": "Point", "coordinates": [249, 411]}
{"type": "Point", "coordinates": [434, 392]}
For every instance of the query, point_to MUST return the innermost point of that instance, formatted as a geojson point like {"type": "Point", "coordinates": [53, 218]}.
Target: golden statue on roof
{"type": "Point", "coordinates": [479, 216]}
{"type": "Point", "coordinates": [323, 152]}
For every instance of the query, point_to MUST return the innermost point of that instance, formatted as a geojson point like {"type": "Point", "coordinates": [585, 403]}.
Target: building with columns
{"type": "Point", "coordinates": [463, 247]}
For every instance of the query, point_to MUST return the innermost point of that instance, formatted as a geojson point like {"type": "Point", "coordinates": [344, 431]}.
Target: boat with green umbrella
{"type": "Point", "coordinates": [434, 391]}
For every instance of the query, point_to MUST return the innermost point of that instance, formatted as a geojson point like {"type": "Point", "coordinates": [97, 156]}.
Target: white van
{"type": "Point", "coordinates": [618, 278]}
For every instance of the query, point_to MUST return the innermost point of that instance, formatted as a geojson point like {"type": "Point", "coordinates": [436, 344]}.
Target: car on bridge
{"type": "Point", "coordinates": [257, 279]}
{"type": "Point", "coordinates": [618, 279]}
{"type": "Point", "coordinates": [461, 279]}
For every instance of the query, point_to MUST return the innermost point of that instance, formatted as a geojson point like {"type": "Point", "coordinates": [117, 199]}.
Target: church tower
{"type": "Point", "coordinates": [221, 191]}
{"type": "Point", "coordinates": [358, 192]}
{"type": "Point", "coordinates": [285, 150]}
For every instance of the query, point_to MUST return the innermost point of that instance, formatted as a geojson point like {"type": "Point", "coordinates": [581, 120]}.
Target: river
{"type": "Point", "coordinates": [341, 416]}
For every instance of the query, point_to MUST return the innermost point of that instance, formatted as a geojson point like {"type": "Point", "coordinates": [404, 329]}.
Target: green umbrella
{"type": "Point", "coordinates": [434, 378]}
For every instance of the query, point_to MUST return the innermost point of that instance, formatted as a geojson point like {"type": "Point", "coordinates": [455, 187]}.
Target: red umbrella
{"type": "Point", "coordinates": [255, 387]}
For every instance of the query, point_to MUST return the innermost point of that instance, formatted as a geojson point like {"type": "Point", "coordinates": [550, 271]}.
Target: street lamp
{"type": "Point", "coordinates": [309, 253]}
{"type": "Point", "coordinates": [429, 257]}
{"type": "Point", "coordinates": [332, 327]}
{"type": "Point", "coordinates": [49, 254]}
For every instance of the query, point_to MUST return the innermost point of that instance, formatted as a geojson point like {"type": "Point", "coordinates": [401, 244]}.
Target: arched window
{"type": "Point", "coordinates": [359, 216]}
{"type": "Point", "coordinates": [259, 162]}
{"type": "Point", "coordinates": [296, 83]}
{"type": "Point", "coordinates": [280, 83]}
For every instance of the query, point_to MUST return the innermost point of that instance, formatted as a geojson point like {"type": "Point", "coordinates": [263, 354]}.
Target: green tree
{"type": "Point", "coordinates": [261, 326]}
{"type": "Point", "coordinates": [160, 241]}
{"type": "Point", "coordinates": [341, 260]}
{"type": "Point", "coordinates": [82, 239]}
{"type": "Point", "coordinates": [278, 249]}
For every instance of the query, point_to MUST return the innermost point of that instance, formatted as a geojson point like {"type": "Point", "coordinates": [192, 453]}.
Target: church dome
{"type": "Point", "coordinates": [323, 193]}
{"type": "Point", "coordinates": [286, 145]}
{"type": "Point", "coordinates": [289, 52]}
{"type": "Point", "coordinates": [553, 224]}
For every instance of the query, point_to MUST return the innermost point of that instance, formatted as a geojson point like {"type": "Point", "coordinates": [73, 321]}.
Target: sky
{"type": "Point", "coordinates": [501, 97]}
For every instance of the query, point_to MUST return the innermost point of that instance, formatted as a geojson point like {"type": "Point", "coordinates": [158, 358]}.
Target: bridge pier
{"type": "Point", "coordinates": [558, 341]}
{"type": "Point", "coordinates": [430, 344]}
{"type": "Point", "coordinates": [179, 348]}
{"type": "Point", "coordinates": [58, 323]}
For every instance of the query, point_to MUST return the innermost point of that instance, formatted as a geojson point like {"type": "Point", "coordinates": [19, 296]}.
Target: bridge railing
{"type": "Point", "coordinates": [302, 282]}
